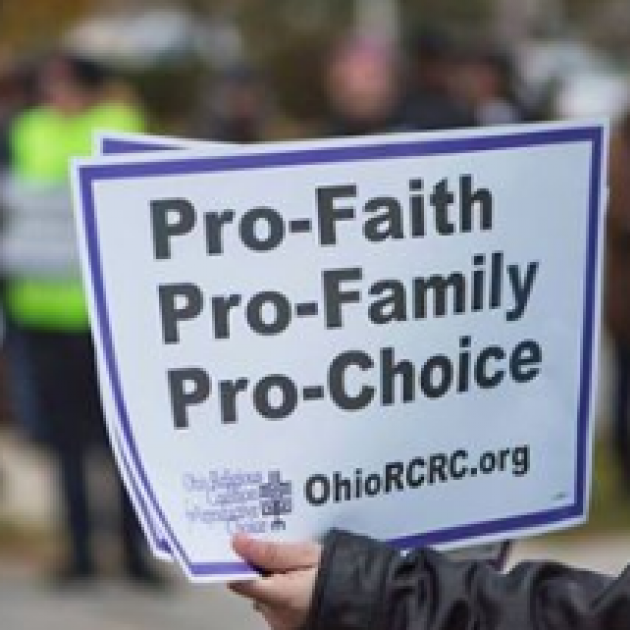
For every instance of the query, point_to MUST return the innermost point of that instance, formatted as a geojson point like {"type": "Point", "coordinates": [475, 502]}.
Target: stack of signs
{"type": "Point", "coordinates": [395, 335]}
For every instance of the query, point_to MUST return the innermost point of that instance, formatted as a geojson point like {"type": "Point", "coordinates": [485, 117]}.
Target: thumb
{"type": "Point", "coordinates": [272, 556]}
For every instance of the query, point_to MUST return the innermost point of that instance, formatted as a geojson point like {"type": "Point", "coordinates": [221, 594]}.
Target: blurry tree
{"type": "Point", "coordinates": [266, 22]}
{"type": "Point", "coordinates": [288, 39]}
{"type": "Point", "coordinates": [38, 23]}
{"type": "Point", "coordinates": [458, 15]}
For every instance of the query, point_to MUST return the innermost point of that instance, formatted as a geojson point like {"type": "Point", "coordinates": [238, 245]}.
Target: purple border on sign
{"type": "Point", "coordinates": [89, 174]}
{"type": "Point", "coordinates": [122, 146]}
{"type": "Point", "coordinates": [156, 538]}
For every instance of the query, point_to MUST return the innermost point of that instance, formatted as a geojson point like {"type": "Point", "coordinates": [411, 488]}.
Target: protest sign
{"type": "Point", "coordinates": [358, 334]}
{"type": "Point", "coordinates": [111, 143]}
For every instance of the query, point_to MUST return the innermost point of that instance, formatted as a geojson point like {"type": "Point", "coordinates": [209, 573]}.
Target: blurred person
{"type": "Point", "coordinates": [617, 290]}
{"type": "Point", "coordinates": [487, 82]}
{"type": "Point", "coordinates": [51, 350]}
{"type": "Point", "coordinates": [432, 102]}
{"type": "Point", "coordinates": [237, 107]}
{"type": "Point", "coordinates": [362, 86]}
{"type": "Point", "coordinates": [14, 96]}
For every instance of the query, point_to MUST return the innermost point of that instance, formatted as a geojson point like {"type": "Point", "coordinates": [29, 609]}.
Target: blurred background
{"type": "Point", "coordinates": [245, 71]}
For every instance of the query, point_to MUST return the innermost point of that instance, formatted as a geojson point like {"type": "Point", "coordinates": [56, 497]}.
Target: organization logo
{"type": "Point", "coordinates": [276, 499]}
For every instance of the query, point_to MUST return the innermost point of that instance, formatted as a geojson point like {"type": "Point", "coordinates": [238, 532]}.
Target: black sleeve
{"type": "Point", "coordinates": [366, 585]}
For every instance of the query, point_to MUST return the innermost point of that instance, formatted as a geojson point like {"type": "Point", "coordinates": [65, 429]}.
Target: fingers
{"type": "Point", "coordinates": [292, 567]}
{"type": "Point", "coordinates": [274, 557]}
{"type": "Point", "coordinates": [258, 590]}
{"type": "Point", "coordinates": [281, 592]}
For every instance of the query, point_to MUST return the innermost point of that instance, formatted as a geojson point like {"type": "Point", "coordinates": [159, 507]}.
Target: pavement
{"type": "Point", "coordinates": [27, 602]}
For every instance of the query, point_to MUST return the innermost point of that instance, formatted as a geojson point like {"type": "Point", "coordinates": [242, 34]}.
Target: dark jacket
{"type": "Point", "coordinates": [365, 585]}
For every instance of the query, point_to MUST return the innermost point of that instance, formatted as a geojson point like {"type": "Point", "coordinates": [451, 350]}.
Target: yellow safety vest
{"type": "Point", "coordinates": [42, 142]}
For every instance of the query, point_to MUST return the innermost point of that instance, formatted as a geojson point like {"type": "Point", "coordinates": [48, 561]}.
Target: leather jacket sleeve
{"type": "Point", "coordinates": [366, 585]}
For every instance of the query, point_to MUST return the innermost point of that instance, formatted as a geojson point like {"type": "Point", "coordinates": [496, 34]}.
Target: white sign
{"type": "Point", "coordinates": [111, 143]}
{"type": "Point", "coordinates": [353, 333]}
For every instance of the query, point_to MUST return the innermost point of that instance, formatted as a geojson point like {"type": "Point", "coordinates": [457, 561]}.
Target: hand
{"type": "Point", "coordinates": [284, 596]}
